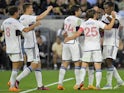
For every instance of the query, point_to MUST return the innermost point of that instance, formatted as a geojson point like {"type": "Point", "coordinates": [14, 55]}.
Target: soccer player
{"type": "Point", "coordinates": [30, 45]}
{"type": "Point", "coordinates": [12, 28]}
{"type": "Point", "coordinates": [91, 65]}
{"type": "Point", "coordinates": [92, 48]}
{"type": "Point", "coordinates": [71, 50]}
{"type": "Point", "coordinates": [110, 45]}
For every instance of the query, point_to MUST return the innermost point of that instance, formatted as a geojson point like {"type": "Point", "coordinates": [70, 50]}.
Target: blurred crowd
{"type": "Point", "coordinates": [61, 7]}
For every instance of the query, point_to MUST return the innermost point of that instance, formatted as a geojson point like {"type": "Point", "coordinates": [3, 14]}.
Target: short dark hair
{"type": "Point", "coordinates": [109, 3]}
{"type": "Point", "coordinates": [90, 13]}
{"type": "Point", "coordinates": [26, 5]}
{"type": "Point", "coordinates": [12, 10]}
{"type": "Point", "coordinates": [74, 8]}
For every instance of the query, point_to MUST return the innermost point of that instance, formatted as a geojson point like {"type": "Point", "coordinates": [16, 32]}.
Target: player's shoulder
{"type": "Point", "coordinates": [71, 17]}
{"type": "Point", "coordinates": [9, 20]}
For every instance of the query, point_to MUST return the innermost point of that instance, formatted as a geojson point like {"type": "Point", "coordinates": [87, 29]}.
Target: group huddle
{"type": "Point", "coordinates": [90, 47]}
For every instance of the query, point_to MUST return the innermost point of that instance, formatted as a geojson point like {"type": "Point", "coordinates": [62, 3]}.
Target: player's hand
{"type": "Point", "coordinates": [49, 8]}
{"type": "Point", "coordinates": [37, 23]}
{"type": "Point", "coordinates": [66, 39]}
{"type": "Point", "coordinates": [113, 14]}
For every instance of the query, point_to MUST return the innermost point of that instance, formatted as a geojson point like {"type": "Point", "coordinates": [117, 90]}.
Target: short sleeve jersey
{"type": "Point", "coordinates": [71, 25]}
{"type": "Point", "coordinates": [111, 37]}
{"type": "Point", "coordinates": [29, 37]}
{"type": "Point", "coordinates": [13, 42]}
{"type": "Point", "coordinates": [90, 28]}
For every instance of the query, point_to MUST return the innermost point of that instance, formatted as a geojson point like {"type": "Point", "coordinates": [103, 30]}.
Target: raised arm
{"type": "Point", "coordinates": [45, 13]}
{"type": "Point", "coordinates": [109, 26]}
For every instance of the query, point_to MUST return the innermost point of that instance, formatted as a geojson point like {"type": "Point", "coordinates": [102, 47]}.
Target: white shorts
{"type": "Point", "coordinates": [71, 52]}
{"type": "Point", "coordinates": [92, 56]}
{"type": "Point", "coordinates": [32, 54]}
{"type": "Point", "coordinates": [110, 52]}
{"type": "Point", "coordinates": [16, 57]}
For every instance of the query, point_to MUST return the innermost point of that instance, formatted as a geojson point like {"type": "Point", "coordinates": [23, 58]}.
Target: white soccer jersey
{"type": "Point", "coordinates": [71, 25]}
{"type": "Point", "coordinates": [29, 37]}
{"type": "Point", "coordinates": [13, 42]}
{"type": "Point", "coordinates": [91, 33]}
{"type": "Point", "coordinates": [111, 37]}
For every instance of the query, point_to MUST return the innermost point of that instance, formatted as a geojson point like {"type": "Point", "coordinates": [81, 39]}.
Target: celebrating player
{"type": "Point", "coordinates": [110, 45]}
{"type": "Point", "coordinates": [12, 28]}
{"type": "Point", "coordinates": [92, 48]}
{"type": "Point", "coordinates": [30, 45]}
{"type": "Point", "coordinates": [71, 50]}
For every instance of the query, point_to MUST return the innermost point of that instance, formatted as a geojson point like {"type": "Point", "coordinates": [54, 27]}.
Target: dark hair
{"type": "Point", "coordinates": [90, 13]}
{"type": "Point", "coordinates": [26, 5]}
{"type": "Point", "coordinates": [109, 3]}
{"type": "Point", "coordinates": [12, 10]}
{"type": "Point", "coordinates": [74, 8]}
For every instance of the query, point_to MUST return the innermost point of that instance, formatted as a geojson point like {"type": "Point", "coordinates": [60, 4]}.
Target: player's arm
{"type": "Point", "coordinates": [44, 14]}
{"type": "Point", "coordinates": [75, 35]}
{"type": "Point", "coordinates": [27, 29]}
{"type": "Point", "coordinates": [110, 25]}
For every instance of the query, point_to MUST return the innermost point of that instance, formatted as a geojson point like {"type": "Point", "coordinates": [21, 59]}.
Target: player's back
{"type": "Point", "coordinates": [71, 23]}
{"type": "Point", "coordinates": [91, 33]}
{"type": "Point", "coordinates": [9, 26]}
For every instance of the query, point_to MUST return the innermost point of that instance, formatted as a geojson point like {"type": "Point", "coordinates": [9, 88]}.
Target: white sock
{"type": "Point", "coordinates": [61, 75]}
{"type": "Point", "coordinates": [38, 76]}
{"type": "Point", "coordinates": [82, 74]}
{"type": "Point", "coordinates": [25, 72]}
{"type": "Point", "coordinates": [109, 76]}
{"type": "Point", "coordinates": [91, 75]}
{"type": "Point", "coordinates": [24, 66]}
{"type": "Point", "coordinates": [98, 77]}
{"type": "Point", "coordinates": [13, 77]}
{"type": "Point", "coordinates": [117, 76]}
{"type": "Point", "coordinates": [77, 75]}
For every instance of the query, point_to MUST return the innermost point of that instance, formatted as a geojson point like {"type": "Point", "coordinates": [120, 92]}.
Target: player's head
{"type": "Point", "coordinates": [13, 11]}
{"type": "Point", "coordinates": [91, 13]}
{"type": "Point", "coordinates": [99, 11]}
{"type": "Point", "coordinates": [75, 10]}
{"type": "Point", "coordinates": [27, 7]}
{"type": "Point", "coordinates": [108, 7]}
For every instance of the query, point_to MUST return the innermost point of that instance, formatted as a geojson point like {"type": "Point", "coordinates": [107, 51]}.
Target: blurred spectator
{"type": "Point", "coordinates": [57, 51]}
{"type": "Point", "coordinates": [121, 4]}
{"type": "Point", "coordinates": [42, 49]}
{"type": "Point", "coordinates": [4, 59]}
{"type": "Point", "coordinates": [84, 6]}
{"type": "Point", "coordinates": [92, 2]}
{"type": "Point", "coordinates": [71, 3]}
{"type": "Point", "coordinates": [100, 3]}
{"type": "Point", "coordinates": [121, 7]}
{"type": "Point", "coordinates": [60, 7]}
{"type": "Point", "coordinates": [59, 33]}
{"type": "Point", "coordinates": [86, 3]}
{"type": "Point", "coordinates": [45, 4]}
{"type": "Point", "coordinates": [3, 5]}
{"type": "Point", "coordinates": [120, 55]}
{"type": "Point", "coordinates": [38, 34]}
